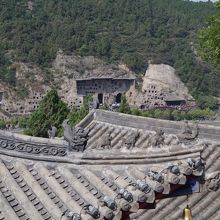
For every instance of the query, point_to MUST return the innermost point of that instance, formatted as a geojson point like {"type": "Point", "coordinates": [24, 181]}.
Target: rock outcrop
{"type": "Point", "coordinates": [72, 73]}
{"type": "Point", "coordinates": [160, 84]}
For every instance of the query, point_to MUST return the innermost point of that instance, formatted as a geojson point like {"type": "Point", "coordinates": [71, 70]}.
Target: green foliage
{"type": "Point", "coordinates": [135, 112]}
{"type": "Point", "coordinates": [176, 115]}
{"type": "Point", "coordinates": [207, 102]}
{"type": "Point", "coordinates": [7, 73]}
{"type": "Point", "coordinates": [210, 38]}
{"type": "Point", "coordinates": [75, 116]}
{"type": "Point", "coordinates": [51, 112]}
{"type": "Point", "coordinates": [21, 121]}
{"type": "Point", "coordinates": [196, 114]}
{"type": "Point", "coordinates": [2, 124]}
{"type": "Point", "coordinates": [126, 30]}
{"type": "Point", "coordinates": [124, 106]}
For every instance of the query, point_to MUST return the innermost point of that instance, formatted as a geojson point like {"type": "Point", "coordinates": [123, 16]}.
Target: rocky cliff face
{"type": "Point", "coordinates": [30, 88]}
{"type": "Point", "coordinates": [160, 83]}
{"type": "Point", "coordinates": [33, 83]}
{"type": "Point", "coordinates": [88, 67]}
{"type": "Point", "coordinates": [164, 77]}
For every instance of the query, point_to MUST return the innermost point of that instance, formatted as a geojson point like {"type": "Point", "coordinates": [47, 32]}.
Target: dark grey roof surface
{"type": "Point", "coordinates": [36, 183]}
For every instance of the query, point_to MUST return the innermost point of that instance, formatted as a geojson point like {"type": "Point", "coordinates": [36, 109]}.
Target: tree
{"type": "Point", "coordinates": [208, 102]}
{"type": "Point", "coordinates": [130, 31]}
{"type": "Point", "coordinates": [75, 116]}
{"type": "Point", "coordinates": [51, 112]}
{"type": "Point", "coordinates": [124, 107]}
{"type": "Point", "coordinates": [2, 124]}
{"type": "Point", "coordinates": [210, 38]}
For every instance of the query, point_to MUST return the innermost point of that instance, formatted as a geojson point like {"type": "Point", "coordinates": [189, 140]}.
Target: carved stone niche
{"type": "Point", "coordinates": [1, 96]}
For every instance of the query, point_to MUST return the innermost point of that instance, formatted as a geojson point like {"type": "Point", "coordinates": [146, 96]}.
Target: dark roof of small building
{"type": "Point", "coordinates": [106, 72]}
{"type": "Point", "coordinates": [171, 98]}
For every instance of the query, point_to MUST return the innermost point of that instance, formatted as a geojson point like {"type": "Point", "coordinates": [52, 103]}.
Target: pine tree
{"type": "Point", "coordinates": [210, 39]}
{"type": "Point", "coordinates": [51, 112]}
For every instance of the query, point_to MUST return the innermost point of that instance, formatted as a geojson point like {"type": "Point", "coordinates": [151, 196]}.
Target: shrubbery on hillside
{"type": "Point", "coordinates": [176, 115]}
{"type": "Point", "coordinates": [134, 32]}
{"type": "Point", "coordinates": [52, 111]}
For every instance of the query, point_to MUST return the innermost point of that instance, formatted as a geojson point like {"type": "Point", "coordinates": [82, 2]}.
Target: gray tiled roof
{"type": "Point", "coordinates": [42, 190]}
{"type": "Point", "coordinates": [43, 185]}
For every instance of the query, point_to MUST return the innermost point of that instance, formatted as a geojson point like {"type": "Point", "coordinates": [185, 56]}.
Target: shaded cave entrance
{"type": "Point", "coordinates": [100, 98]}
{"type": "Point", "coordinates": [1, 96]}
{"type": "Point", "coordinates": [175, 102]}
{"type": "Point", "coordinates": [118, 98]}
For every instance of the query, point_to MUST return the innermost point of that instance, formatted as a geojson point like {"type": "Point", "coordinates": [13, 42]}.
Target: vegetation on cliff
{"type": "Point", "coordinates": [51, 112]}
{"type": "Point", "coordinates": [210, 39]}
{"type": "Point", "coordinates": [134, 32]}
{"type": "Point", "coordinates": [7, 73]}
{"type": "Point", "coordinates": [202, 113]}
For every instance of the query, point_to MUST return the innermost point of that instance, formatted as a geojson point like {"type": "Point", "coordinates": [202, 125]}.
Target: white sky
{"type": "Point", "coordinates": [203, 0]}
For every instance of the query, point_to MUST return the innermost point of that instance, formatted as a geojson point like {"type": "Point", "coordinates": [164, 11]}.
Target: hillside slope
{"type": "Point", "coordinates": [134, 32]}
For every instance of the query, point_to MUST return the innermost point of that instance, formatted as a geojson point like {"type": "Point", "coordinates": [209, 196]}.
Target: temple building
{"type": "Point", "coordinates": [112, 166]}
{"type": "Point", "coordinates": [107, 90]}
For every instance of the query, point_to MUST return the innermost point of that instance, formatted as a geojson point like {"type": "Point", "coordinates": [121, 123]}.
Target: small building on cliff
{"type": "Point", "coordinates": [76, 77]}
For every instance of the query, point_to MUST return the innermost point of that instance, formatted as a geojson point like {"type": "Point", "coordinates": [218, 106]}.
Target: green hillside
{"type": "Point", "coordinates": [163, 31]}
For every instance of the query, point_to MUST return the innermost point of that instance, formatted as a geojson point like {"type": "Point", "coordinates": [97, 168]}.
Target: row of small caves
{"type": "Point", "coordinates": [105, 91]}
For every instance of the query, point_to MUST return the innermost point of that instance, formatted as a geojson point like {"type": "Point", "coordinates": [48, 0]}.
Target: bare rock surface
{"type": "Point", "coordinates": [160, 83]}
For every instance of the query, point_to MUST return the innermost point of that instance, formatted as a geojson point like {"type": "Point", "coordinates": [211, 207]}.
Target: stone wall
{"type": "Point", "coordinates": [16, 106]}
{"type": "Point", "coordinates": [18, 143]}
{"type": "Point", "coordinates": [171, 127]}
{"type": "Point", "coordinates": [107, 88]}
